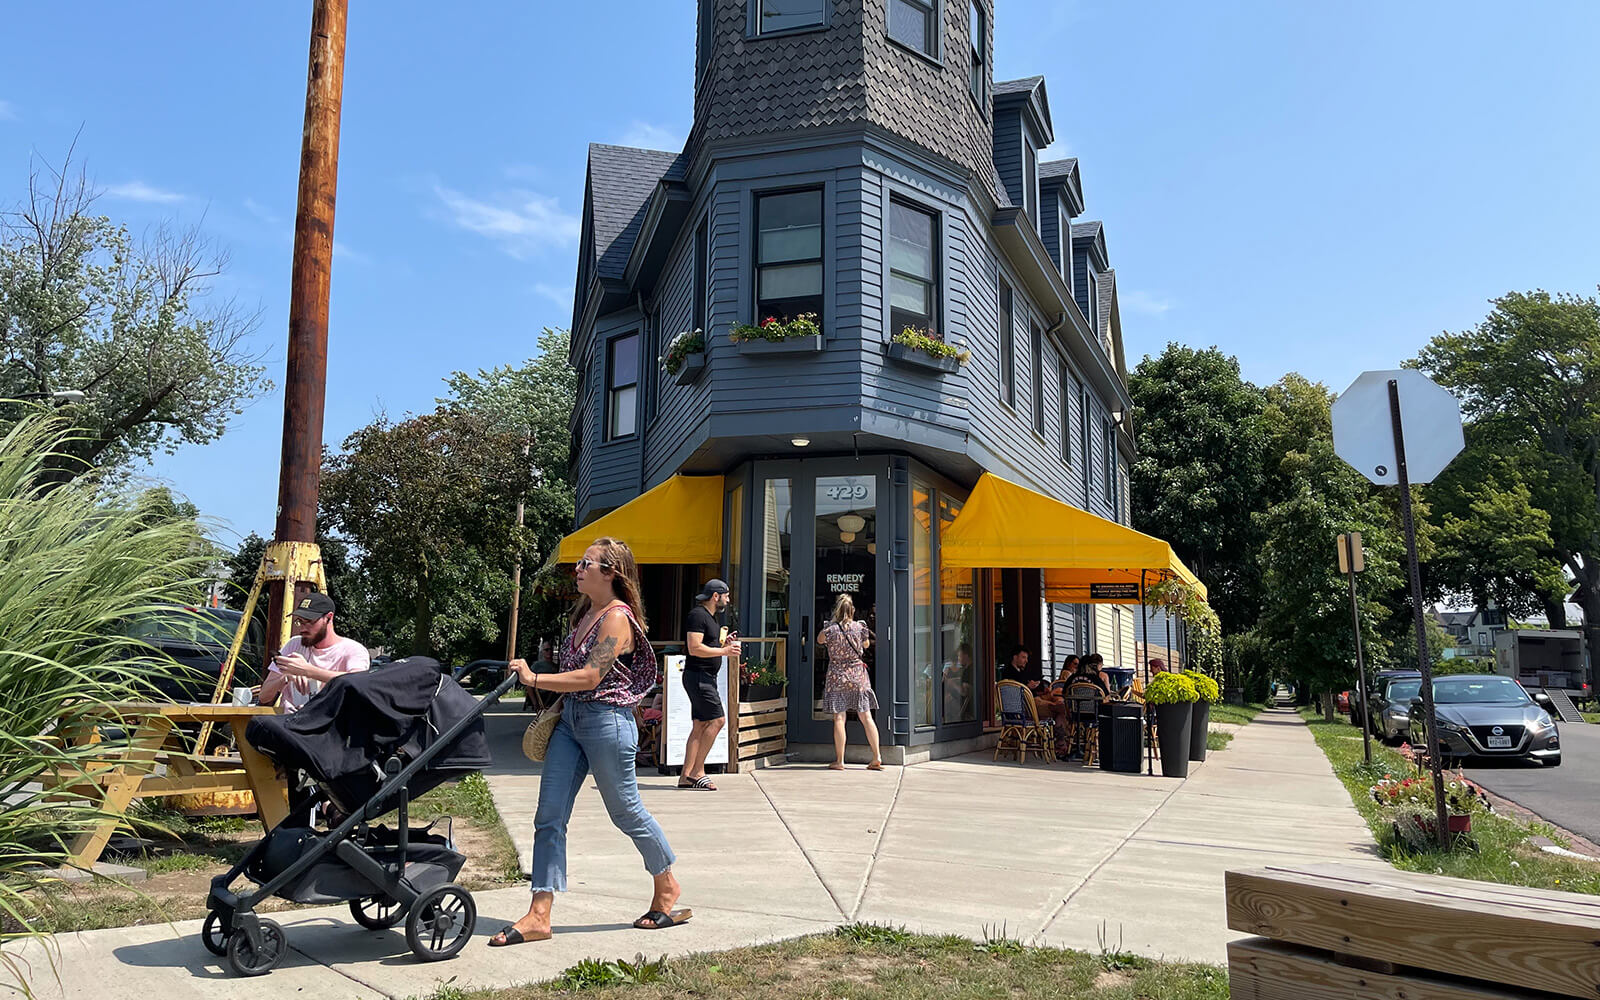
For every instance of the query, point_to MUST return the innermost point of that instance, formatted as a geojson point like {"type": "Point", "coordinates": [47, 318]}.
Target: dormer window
{"type": "Point", "coordinates": [977, 73]}
{"type": "Point", "coordinates": [1064, 230]}
{"type": "Point", "coordinates": [913, 24]}
{"type": "Point", "coordinates": [1030, 180]}
{"type": "Point", "coordinates": [788, 15]}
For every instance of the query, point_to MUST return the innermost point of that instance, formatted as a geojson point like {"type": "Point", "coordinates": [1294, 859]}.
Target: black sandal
{"type": "Point", "coordinates": [511, 936]}
{"type": "Point", "coordinates": [655, 920]}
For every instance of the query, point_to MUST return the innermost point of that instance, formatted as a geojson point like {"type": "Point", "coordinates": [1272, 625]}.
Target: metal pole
{"type": "Point", "coordinates": [1430, 721]}
{"type": "Point", "coordinates": [304, 387]}
{"type": "Point", "coordinates": [1149, 751]}
{"type": "Point", "coordinates": [1361, 670]}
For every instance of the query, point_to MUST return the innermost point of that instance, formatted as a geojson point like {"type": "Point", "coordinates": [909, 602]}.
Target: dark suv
{"type": "Point", "coordinates": [197, 639]}
{"type": "Point", "coordinates": [1390, 702]}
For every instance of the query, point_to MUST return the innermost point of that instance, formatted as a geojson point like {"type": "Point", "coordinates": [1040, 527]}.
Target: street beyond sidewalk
{"type": "Point", "coordinates": [1053, 854]}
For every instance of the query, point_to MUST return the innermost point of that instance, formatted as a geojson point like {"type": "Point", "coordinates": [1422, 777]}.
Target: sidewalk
{"type": "Point", "coordinates": [1056, 854]}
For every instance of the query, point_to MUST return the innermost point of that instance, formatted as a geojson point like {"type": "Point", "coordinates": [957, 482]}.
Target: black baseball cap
{"type": "Point", "coordinates": [711, 587]}
{"type": "Point", "coordinates": [314, 606]}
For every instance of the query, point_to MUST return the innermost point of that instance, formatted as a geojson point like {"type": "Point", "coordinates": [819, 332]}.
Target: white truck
{"type": "Point", "coordinates": [1548, 659]}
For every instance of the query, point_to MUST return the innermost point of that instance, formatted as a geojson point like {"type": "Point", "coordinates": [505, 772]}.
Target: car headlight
{"type": "Point", "coordinates": [1543, 724]}
{"type": "Point", "coordinates": [1397, 713]}
{"type": "Point", "coordinates": [1447, 726]}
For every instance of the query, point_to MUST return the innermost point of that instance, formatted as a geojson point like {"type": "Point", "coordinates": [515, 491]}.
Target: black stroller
{"type": "Point", "coordinates": [369, 743]}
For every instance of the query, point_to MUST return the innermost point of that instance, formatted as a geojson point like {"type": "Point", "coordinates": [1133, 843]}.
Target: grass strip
{"type": "Point", "coordinates": [1502, 853]}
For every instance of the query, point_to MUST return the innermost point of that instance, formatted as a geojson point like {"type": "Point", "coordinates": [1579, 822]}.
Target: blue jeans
{"type": "Point", "coordinates": [591, 736]}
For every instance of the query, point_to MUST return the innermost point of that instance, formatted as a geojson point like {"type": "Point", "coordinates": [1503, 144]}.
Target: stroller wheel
{"type": "Point", "coordinates": [377, 913]}
{"type": "Point", "coordinates": [246, 961]}
{"type": "Point", "coordinates": [441, 922]}
{"type": "Point", "coordinates": [213, 936]}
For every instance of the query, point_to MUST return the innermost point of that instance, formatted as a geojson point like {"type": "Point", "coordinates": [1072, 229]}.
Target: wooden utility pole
{"type": "Point", "coordinates": [516, 568]}
{"type": "Point", "coordinates": [305, 383]}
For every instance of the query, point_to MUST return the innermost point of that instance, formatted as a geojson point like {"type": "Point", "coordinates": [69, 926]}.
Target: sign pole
{"type": "Point", "coordinates": [1348, 547]}
{"type": "Point", "coordinates": [1430, 721]}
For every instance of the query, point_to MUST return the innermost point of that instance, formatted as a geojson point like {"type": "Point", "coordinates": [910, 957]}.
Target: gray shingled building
{"type": "Point", "coordinates": [854, 159]}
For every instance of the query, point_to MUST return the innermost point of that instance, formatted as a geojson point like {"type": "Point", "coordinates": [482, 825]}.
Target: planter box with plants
{"type": "Point", "coordinates": [801, 335]}
{"type": "Point", "coordinates": [925, 349]}
{"type": "Point", "coordinates": [761, 681]}
{"type": "Point", "coordinates": [685, 357]}
{"type": "Point", "coordinates": [1408, 805]}
{"type": "Point", "coordinates": [1209, 694]}
{"type": "Point", "coordinates": [1171, 697]}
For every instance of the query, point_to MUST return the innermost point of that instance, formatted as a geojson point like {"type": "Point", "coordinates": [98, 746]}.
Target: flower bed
{"type": "Point", "coordinates": [685, 344]}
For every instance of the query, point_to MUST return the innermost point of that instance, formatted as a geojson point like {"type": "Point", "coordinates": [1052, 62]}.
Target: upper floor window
{"type": "Point", "coordinates": [1036, 343]}
{"type": "Point", "coordinates": [708, 21]}
{"type": "Point", "coordinates": [622, 386]}
{"type": "Point", "coordinates": [701, 263]}
{"type": "Point", "coordinates": [781, 15]}
{"type": "Point", "coordinates": [1008, 349]}
{"type": "Point", "coordinates": [1067, 393]}
{"type": "Point", "coordinates": [1064, 228]}
{"type": "Point", "coordinates": [1030, 181]}
{"type": "Point", "coordinates": [914, 23]}
{"type": "Point", "coordinates": [1091, 295]}
{"type": "Point", "coordinates": [789, 254]}
{"type": "Point", "coordinates": [977, 73]}
{"type": "Point", "coordinates": [913, 268]}
{"type": "Point", "coordinates": [1111, 464]}
{"type": "Point", "coordinates": [1083, 441]}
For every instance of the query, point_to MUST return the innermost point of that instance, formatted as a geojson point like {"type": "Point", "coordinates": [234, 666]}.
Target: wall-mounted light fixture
{"type": "Point", "coordinates": [851, 523]}
{"type": "Point", "coordinates": [800, 442]}
{"type": "Point", "coordinates": [1117, 415]}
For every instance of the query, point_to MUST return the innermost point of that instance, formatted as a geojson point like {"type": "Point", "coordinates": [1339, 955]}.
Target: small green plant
{"type": "Point", "coordinates": [593, 973]}
{"type": "Point", "coordinates": [776, 330]}
{"type": "Point", "coordinates": [763, 672]}
{"type": "Point", "coordinates": [446, 989]}
{"type": "Point", "coordinates": [874, 934]}
{"type": "Point", "coordinates": [1116, 959]}
{"type": "Point", "coordinates": [1168, 688]}
{"type": "Point", "coordinates": [1207, 688]}
{"type": "Point", "coordinates": [1216, 739]}
{"type": "Point", "coordinates": [999, 942]}
{"type": "Point", "coordinates": [684, 344]}
{"type": "Point", "coordinates": [930, 343]}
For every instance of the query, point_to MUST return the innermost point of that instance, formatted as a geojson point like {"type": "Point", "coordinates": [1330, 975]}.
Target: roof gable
{"type": "Point", "coordinates": [621, 181]}
{"type": "Point", "coordinates": [1028, 93]}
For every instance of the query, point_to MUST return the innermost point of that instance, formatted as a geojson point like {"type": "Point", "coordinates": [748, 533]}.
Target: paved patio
{"type": "Point", "coordinates": [1057, 854]}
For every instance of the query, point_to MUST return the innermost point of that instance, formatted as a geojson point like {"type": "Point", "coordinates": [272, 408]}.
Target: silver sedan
{"type": "Point", "coordinates": [1486, 716]}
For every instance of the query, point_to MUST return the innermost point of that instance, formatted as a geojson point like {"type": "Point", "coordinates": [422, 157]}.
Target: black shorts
{"type": "Point", "coordinates": [705, 695]}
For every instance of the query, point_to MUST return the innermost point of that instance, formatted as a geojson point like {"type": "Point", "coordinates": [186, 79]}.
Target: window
{"type": "Point", "coordinates": [1008, 350]}
{"type": "Point", "coordinates": [708, 21]}
{"type": "Point", "coordinates": [1066, 413]}
{"type": "Point", "coordinates": [1036, 342]}
{"type": "Point", "coordinates": [913, 268]}
{"type": "Point", "coordinates": [701, 261]}
{"type": "Point", "coordinates": [977, 38]}
{"type": "Point", "coordinates": [781, 15]}
{"type": "Point", "coordinates": [1083, 441]}
{"type": "Point", "coordinates": [1091, 296]}
{"type": "Point", "coordinates": [789, 254]}
{"type": "Point", "coordinates": [1064, 229]}
{"type": "Point", "coordinates": [1111, 463]}
{"type": "Point", "coordinates": [622, 386]}
{"type": "Point", "coordinates": [1030, 181]}
{"type": "Point", "coordinates": [913, 23]}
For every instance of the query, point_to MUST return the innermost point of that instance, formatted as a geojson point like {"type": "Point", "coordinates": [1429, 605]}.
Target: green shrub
{"type": "Point", "coordinates": [1168, 688]}
{"type": "Point", "coordinates": [1204, 686]}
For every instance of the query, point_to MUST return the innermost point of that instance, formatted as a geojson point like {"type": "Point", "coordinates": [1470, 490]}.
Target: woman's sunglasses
{"type": "Point", "coordinates": [586, 562]}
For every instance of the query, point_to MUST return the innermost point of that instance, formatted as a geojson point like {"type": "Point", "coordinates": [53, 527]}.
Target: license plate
{"type": "Point", "coordinates": [1499, 743]}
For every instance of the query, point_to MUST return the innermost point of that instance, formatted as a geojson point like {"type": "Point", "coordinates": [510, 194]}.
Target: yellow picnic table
{"type": "Point", "coordinates": [127, 771]}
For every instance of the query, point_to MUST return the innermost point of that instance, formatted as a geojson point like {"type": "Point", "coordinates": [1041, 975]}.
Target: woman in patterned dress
{"type": "Point", "coordinates": [848, 687]}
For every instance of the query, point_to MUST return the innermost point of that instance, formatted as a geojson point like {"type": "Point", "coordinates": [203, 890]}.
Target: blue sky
{"type": "Point", "coordinates": [1316, 188]}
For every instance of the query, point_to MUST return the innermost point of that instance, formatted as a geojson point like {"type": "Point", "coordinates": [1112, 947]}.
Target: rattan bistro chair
{"type": "Point", "coordinates": [1020, 727]}
{"type": "Point", "coordinates": [1083, 719]}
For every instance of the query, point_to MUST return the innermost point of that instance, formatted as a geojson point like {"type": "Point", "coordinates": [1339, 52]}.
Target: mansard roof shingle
{"type": "Point", "coordinates": [622, 180]}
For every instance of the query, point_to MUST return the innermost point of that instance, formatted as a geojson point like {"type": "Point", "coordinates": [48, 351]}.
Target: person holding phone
{"type": "Point", "coordinates": [313, 657]}
{"type": "Point", "coordinates": [707, 641]}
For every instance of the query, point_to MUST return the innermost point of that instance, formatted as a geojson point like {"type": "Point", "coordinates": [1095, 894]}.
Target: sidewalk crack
{"type": "Point", "coordinates": [877, 846]}
{"type": "Point", "coordinates": [755, 777]}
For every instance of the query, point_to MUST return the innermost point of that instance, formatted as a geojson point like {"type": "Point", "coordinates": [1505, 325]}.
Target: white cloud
{"type": "Point", "coordinates": [345, 253]}
{"type": "Point", "coordinates": [261, 212]}
{"type": "Point", "coordinates": [561, 296]}
{"type": "Point", "coordinates": [519, 221]}
{"type": "Point", "coordinates": [140, 191]}
{"type": "Point", "coordinates": [647, 136]}
{"type": "Point", "coordinates": [8, 111]}
{"type": "Point", "coordinates": [1148, 303]}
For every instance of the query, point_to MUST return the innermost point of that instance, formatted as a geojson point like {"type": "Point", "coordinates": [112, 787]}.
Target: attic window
{"type": "Point", "coordinates": [786, 15]}
{"type": "Point", "coordinates": [914, 23]}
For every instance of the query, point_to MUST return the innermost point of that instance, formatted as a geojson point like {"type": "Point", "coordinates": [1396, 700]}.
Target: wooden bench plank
{"type": "Point", "coordinates": [1537, 942]}
{"type": "Point", "coordinates": [1469, 891]}
{"type": "Point", "coordinates": [770, 705]}
{"type": "Point", "coordinates": [756, 751]}
{"type": "Point", "coordinates": [763, 718]}
{"type": "Point", "coordinates": [1259, 969]}
{"type": "Point", "coordinates": [761, 733]}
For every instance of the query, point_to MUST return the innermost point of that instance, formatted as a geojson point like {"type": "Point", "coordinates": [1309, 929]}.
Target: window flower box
{"type": "Point", "coordinates": [926, 349]}
{"type": "Point", "coordinates": [685, 357]}
{"type": "Point", "coordinates": [690, 369]}
{"type": "Point", "coordinates": [801, 335]}
{"type": "Point", "coordinates": [911, 357]}
{"type": "Point", "coordinates": [789, 345]}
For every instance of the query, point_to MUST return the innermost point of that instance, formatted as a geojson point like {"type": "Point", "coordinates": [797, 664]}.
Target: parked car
{"type": "Point", "coordinates": [1486, 716]}
{"type": "Point", "coordinates": [197, 639]}
{"type": "Point", "coordinates": [1341, 702]}
{"type": "Point", "coordinates": [1389, 705]}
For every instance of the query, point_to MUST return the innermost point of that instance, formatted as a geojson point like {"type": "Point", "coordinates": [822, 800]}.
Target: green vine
{"type": "Point", "coordinates": [1205, 628]}
{"type": "Point", "coordinates": [930, 343]}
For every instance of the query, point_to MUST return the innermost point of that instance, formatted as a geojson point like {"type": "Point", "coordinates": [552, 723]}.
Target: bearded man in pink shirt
{"type": "Point", "coordinates": [316, 655]}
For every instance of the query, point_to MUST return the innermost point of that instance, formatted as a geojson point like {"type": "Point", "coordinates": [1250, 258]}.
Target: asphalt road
{"type": "Point", "coordinates": [1568, 796]}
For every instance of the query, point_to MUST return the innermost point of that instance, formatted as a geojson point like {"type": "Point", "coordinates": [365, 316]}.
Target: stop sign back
{"type": "Point", "coordinates": [1363, 433]}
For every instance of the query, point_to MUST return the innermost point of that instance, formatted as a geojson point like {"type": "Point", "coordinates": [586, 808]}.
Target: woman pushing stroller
{"type": "Point", "coordinates": [607, 666]}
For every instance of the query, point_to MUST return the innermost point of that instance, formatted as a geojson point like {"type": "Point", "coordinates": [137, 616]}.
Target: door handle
{"type": "Point", "coordinates": [805, 638]}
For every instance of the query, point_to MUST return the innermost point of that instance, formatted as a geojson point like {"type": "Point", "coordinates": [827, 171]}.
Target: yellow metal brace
{"type": "Point", "coordinates": [292, 562]}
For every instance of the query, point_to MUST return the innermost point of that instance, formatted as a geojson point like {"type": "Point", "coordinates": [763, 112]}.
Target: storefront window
{"type": "Point", "coordinates": [734, 525]}
{"type": "Point", "coordinates": [923, 666]}
{"type": "Point", "coordinates": [847, 545]}
{"type": "Point", "coordinates": [775, 554]}
{"type": "Point", "coordinates": [959, 631]}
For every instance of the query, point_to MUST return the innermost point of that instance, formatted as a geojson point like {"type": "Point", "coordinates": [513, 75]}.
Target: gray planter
{"type": "Point", "coordinates": [693, 365]}
{"type": "Point", "coordinates": [792, 345]}
{"type": "Point", "coordinates": [912, 357]}
{"type": "Point", "coordinates": [1174, 723]}
{"type": "Point", "coordinates": [1199, 730]}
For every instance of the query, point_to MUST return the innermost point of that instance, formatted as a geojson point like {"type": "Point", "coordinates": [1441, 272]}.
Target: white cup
{"type": "Point", "coordinates": [243, 696]}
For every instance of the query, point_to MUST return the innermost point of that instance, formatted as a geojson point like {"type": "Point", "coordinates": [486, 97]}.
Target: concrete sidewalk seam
{"type": "Point", "coordinates": [340, 972]}
{"type": "Point", "coordinates": [877, 846]}
{"type": "Point", "coordinates": [755, 778]}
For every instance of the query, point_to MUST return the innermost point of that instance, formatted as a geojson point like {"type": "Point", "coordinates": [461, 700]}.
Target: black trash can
{"type": "Point", "coordinates": [1120, 737]}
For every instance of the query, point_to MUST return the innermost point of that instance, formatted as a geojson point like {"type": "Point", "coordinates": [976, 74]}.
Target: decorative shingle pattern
{"type": "Point", "coordinates": [1054, 169]}
{"type": "Point", "coordinates": [621, 181]}
{"type": "Point", "coordinates": [1107, 286]}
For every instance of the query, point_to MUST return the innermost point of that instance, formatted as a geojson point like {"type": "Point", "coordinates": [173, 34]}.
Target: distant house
{"type": "Point", "coordinates": [854, 161]}
{"type": "Point", "coordinates": [1472, 631]}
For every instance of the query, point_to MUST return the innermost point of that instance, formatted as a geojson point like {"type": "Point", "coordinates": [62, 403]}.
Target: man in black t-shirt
{"type": "Point", "coordinates": [706, 642]}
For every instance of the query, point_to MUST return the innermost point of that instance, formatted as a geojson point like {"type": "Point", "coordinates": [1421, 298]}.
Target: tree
{"type": "Point", "coordinates": [429, 503]}
{"type": "Point", "coordinates": [1528, 378]}
{"type": "Point", "coordinates": [84, 306]}
{"type": "Point", "coordinates": [1202, 444]}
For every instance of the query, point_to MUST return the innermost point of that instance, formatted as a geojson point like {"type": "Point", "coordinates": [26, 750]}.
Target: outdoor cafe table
{"type": "Point", "coordinates": [127, 771]}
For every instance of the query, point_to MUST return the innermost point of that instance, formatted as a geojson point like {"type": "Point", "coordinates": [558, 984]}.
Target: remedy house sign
{"type": "Point", "coordinates": [1363, 430]}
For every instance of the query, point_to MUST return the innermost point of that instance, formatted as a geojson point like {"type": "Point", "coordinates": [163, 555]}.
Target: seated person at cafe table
{"type": "Point", "coordinates": [1049, 703]}
{"type": "Point", "coordinates": [1085, 671]}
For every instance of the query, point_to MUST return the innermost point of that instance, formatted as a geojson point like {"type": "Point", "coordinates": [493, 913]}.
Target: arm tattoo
{"type": "Point", "coordinates": [604, 655]}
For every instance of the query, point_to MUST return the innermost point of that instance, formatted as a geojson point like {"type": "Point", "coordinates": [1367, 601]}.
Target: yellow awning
{"type": "Point", "coordinates": [679, 521]}
{"type": "Point", "coordinates": [1006, 526]}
